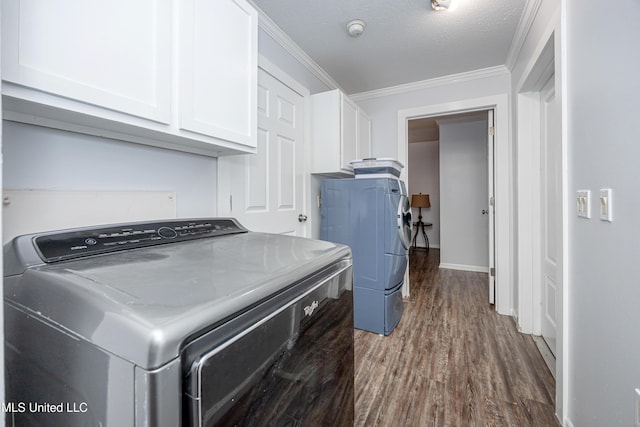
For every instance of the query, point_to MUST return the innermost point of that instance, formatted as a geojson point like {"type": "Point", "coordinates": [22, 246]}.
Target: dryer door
{"type": "Point", "coordinates": [404, 221]}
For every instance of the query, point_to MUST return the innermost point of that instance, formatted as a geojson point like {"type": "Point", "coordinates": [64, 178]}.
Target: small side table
{"type": "Point", "coordinates": [420, 228]}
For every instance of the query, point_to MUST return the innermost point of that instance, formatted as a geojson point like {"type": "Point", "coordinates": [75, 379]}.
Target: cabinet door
{"type": "Point", "coordinates": [113, 54]}
{"type": "Point", "coordinates": [349, 132]}
{"type": "Point", "coordinates": [364, 135]}
{"type": "Point", "coordinates": [218, 69]}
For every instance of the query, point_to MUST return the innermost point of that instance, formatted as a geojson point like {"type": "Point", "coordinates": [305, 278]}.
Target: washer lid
{"type": "Point", "coordinates": [142, 303]}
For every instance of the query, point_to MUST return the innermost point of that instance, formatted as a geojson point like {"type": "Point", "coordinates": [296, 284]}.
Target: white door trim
{"type": "Point", "coordinates": [491, 185]}
{"type": "Point", "coordinates": [552, 263]}
{"type": "Point", "coordinates": [547, 58]}
{"type": "Point", "coordinates": [529, 225]}
{"type": "Point", "coordinates": [503, 185]}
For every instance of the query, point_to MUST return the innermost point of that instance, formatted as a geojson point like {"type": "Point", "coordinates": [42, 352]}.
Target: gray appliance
{"type": "Point", "coordinates": [373, 217]}
{"type": "Point", "coordinates": [185, 322]}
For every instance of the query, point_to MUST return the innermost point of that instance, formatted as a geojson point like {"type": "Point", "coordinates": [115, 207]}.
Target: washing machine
{"type": "Point", "coordinates": [186, 322]}
{"type": "Point", "coordinates": [373, 217]}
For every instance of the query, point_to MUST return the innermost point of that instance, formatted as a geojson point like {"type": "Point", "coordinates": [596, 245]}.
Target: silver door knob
{"type": "Point", "coordinates": [485, 211]}
{"type": "Point", "coordinates": [302, 218]}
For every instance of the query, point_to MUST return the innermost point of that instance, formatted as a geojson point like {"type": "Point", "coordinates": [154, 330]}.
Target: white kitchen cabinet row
{"type": "Point", "coordinates": [340, 133]}
{"type": "Point", "coordinates": [179, 74]}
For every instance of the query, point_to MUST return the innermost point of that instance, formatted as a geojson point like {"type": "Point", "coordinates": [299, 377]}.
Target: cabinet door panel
{"type": "Point", "coordinates": [364, 135]}
{"type": "Point", "coordinates": [349, 132]}
{"type": "Point", "coordinates": [218, 78]}
{"type": "Point", "coordinates": [93, 52]}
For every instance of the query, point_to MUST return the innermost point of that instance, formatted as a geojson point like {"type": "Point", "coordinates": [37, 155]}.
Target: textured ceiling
{"type": "Point", "coordinates": [404, 41]}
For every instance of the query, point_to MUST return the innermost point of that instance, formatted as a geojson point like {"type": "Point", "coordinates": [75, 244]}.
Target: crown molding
{"type": "Point", "coordinates": [524, 26]}
{"type": "Point", "coordinates": [498, 70]}
{"type": "Point", "coordinates": [279, 36]}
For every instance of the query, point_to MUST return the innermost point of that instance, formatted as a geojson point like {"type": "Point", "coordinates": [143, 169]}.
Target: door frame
{"type": "Point", "coordinates": [503, 181]}
{"type": "Point", "coordinates": [546, 60]}
{"type": "Point", "coordinates": [223, 207]}
{"type": "Point", "coordinates": [547, 92]}
{"type": "Point", "coordinates": [491, 187]}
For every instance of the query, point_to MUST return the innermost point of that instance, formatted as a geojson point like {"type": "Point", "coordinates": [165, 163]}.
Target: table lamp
{"type": "Point", "coordinates": [420, 201]}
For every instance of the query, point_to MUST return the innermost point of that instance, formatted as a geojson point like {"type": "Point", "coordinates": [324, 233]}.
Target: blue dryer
{"type": "Point", "coordinates": [373, 217]}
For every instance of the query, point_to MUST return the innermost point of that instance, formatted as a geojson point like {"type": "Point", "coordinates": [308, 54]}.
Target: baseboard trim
{"type": "Point", "coordinates": [545, 352]}
{"type": "Point", "coordinates": [475, 268]}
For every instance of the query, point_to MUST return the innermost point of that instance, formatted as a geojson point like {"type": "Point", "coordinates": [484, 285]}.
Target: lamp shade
{"type": "Point", "coordinates": [420, 201]}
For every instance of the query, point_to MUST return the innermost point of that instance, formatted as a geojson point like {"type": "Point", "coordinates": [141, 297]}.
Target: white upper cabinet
{"type": "Point", "coordinates": [364, 135]}
{"type": "Point", "coordinates": [93, 52]}
{"type": "Point", "coordinates": [336, 128]}
{"type": "Point", "coordinates": [180, 74]}
{"type": "Point", "coordinates": [349, 129]}
{"type": "Point", "coordinates": [219, 68]}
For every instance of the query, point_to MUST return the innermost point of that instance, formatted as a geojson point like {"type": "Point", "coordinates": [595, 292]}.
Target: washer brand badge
{"type": "Point", "coordinates": [308, 310]}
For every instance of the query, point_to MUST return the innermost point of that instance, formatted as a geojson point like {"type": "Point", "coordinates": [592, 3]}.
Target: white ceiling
{"type": "Point", "coordinates": [404, 41]}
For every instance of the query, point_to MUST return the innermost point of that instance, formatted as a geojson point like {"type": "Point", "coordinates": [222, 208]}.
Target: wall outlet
{"type": "Point", "coordinates": [637, 408]}
{"type": "Point", "coordinates": [583, 203]}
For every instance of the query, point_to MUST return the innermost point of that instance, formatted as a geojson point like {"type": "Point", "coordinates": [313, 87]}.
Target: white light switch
{"type": "Point", "coordinates": [583, 203]}
{"type": "Point", "coordinates": [605, 205]}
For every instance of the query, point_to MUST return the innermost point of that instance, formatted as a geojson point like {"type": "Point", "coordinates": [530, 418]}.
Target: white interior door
{"type": "Point", "coordinates": [491, 205]}
{"type": "Point", "coordinates": [266, 189]}
{"type": "Point", "coordinates": [551, 214]}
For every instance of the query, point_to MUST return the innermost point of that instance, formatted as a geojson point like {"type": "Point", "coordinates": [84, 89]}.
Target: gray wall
{"type": "Point", "coordinates": [603, 103]}
{"type": "Point", "coordinates": [464, 239]}
{"type": "Point", "coordinates": [42, 158]}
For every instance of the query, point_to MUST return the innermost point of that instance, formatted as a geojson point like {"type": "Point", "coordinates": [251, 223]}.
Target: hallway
{"type": "Point", "coordinates": [452, 360]}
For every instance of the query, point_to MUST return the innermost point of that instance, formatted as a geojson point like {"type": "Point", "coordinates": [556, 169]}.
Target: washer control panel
{"type": "Point", "coordinates": [68, 244]}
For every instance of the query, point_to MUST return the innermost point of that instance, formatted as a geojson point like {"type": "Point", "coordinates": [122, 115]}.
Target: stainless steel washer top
{"type": "Point", "coordinates": [138, 290]}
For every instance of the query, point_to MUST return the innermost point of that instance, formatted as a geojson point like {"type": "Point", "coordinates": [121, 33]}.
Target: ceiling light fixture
{"type": "Point", "coordinates": [355, 27]}
{"type": "Point", "coordinates": [441, 4]}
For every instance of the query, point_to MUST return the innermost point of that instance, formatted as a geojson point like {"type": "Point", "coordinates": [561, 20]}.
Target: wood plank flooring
{"type": "Point", "coordinates": [452, 360]}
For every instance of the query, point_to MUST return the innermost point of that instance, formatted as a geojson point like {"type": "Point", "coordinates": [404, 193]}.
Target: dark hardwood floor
{"type": "Point", "coordinates": [452, 360]}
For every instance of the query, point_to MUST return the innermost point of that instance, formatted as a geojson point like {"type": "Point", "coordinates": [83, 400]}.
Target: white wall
{"type": "Point", "coordinates": [463, 195]}
{"type": "Point", "coordinates": [424, 177]}
{"type": "Point", "coordinates": [42, 158]}
{"type": "Point", "coordinates": [603, 103]}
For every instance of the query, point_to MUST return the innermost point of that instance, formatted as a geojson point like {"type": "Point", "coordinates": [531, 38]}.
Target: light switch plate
{"type": "Point", "coordinates": [606, 205]}
{"type": "Point", "coordinates": [583, 203]}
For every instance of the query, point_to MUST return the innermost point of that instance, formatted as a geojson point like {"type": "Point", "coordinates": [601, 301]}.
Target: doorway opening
{"type": "Point", "coordinates": [502, 163]}
{"type": "Point", "coordinates": [450, 159]}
